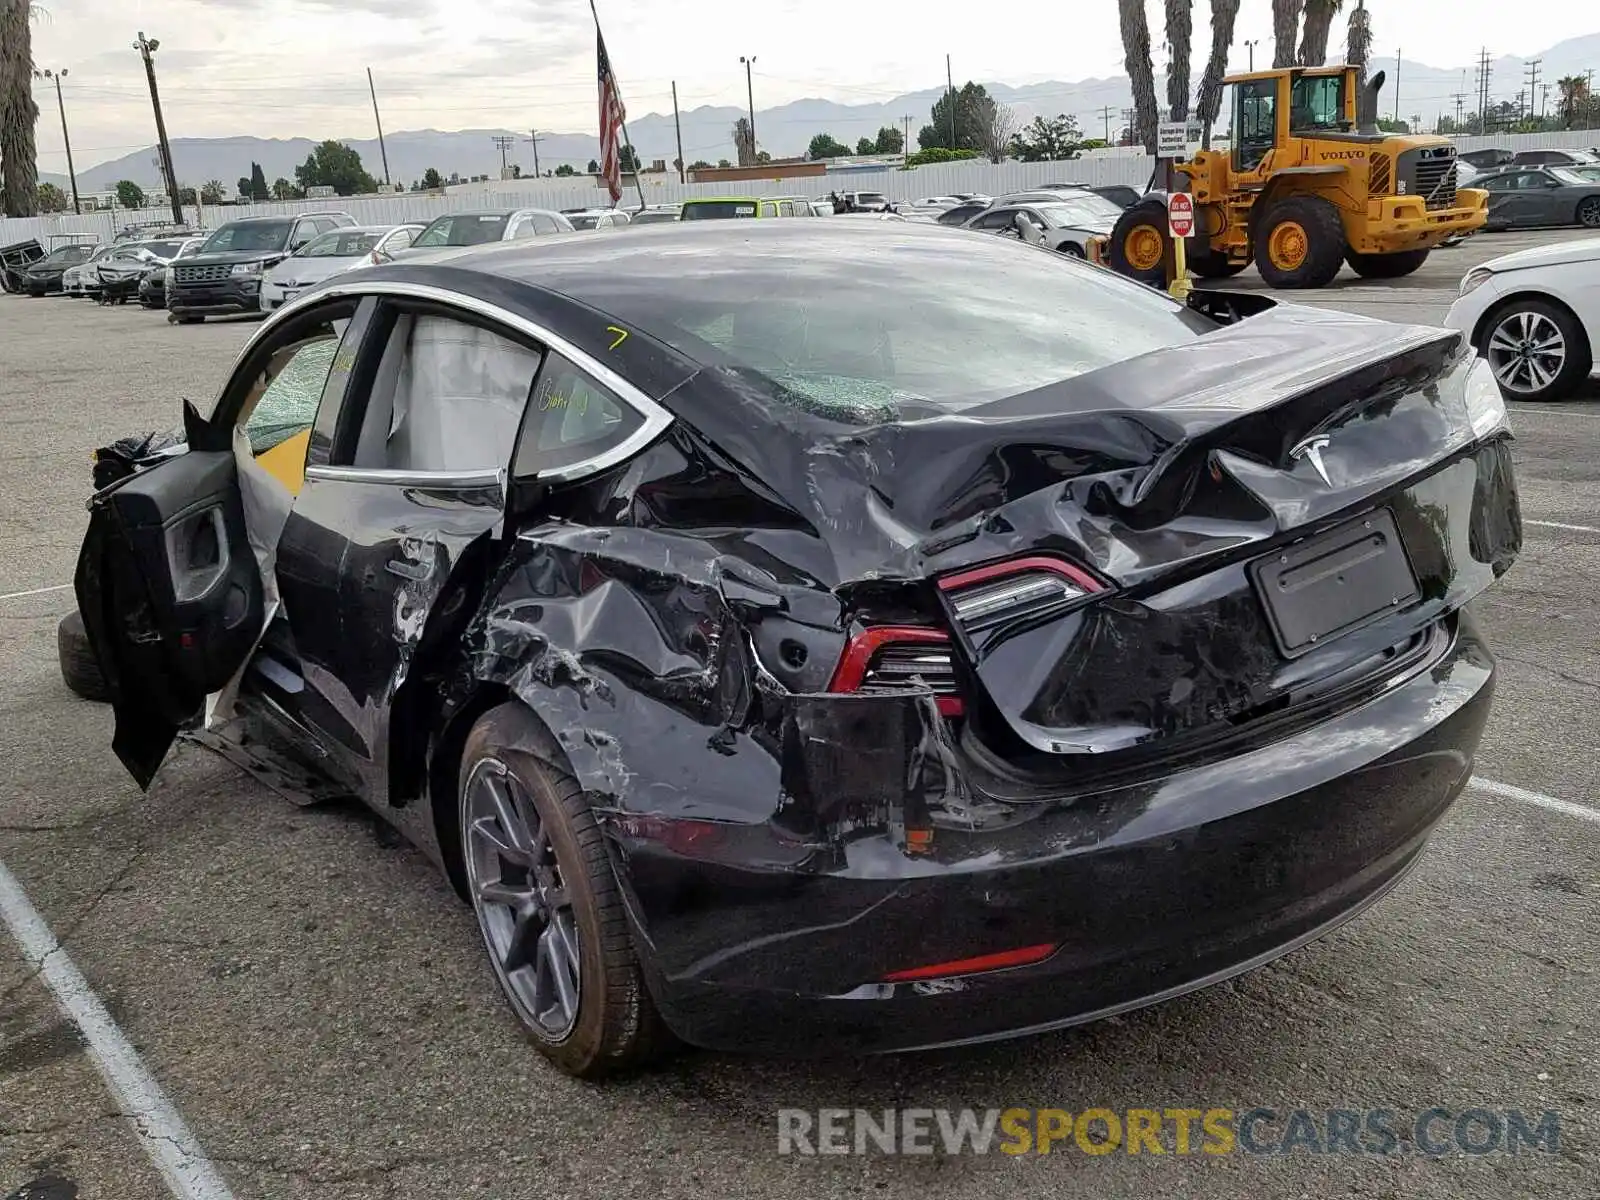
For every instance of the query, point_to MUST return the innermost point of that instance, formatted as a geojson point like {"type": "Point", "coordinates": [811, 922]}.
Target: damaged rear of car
{"type": "Point", "coordinates": [835, 660]}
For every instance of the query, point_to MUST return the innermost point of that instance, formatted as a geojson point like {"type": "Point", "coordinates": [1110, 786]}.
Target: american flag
{"type": "Point", "coordinates": [611, 118]}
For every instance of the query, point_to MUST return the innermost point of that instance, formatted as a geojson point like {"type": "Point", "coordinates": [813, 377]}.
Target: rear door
{"type": "Point", "coordinates": [170, 593]}
{"type": "Point", "coordinates": [397, 517]}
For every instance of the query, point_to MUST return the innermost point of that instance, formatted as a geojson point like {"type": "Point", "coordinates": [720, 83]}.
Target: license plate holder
{"type": "Point", "coordinates": [1335, 583]}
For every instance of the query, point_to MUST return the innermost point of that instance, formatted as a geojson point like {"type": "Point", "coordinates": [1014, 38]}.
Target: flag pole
{"type": "Point", "coordinates": [626, 140]}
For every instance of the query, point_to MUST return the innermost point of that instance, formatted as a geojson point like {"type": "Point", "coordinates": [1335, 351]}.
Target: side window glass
{"type": "Point", "coordinates": [786, 208]}
{"type": "Point", "coordinates": [544, 224]}
{"type": "Point", "coordinates": [446, 396]}
{"type": "Point", "coordinates": [571, 418]}
{"type": "Point", "coordinates": [769, 209]}
{"type": "Point", "coordinates": [303, 233]}
{"type": "Point", "coordinates": [398, 240]}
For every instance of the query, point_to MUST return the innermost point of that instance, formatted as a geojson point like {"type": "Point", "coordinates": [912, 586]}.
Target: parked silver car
{"type": "Point", "coordinates": [1063, 223]}
{"type": "Point", "coordinates": [1527, 197]}
{"type": "Point", "coordinates": [329, 253]}
{"type": "Point", "coordinates": [482, 226]}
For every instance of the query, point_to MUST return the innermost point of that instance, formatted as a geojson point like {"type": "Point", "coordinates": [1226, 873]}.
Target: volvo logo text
{"type": "Point", "coordinates": [1311, 449]}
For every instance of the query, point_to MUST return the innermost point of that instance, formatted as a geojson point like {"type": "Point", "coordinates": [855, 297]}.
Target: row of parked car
{"type": "Point", "coordinates": [258, 264]}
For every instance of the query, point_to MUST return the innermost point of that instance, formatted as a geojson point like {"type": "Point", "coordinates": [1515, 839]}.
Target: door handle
{"type": "Point", "coordinates": [407, 570]}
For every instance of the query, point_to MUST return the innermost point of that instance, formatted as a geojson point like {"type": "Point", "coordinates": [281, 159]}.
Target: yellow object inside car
{"type": "Point", "coordinates": [286, 462]}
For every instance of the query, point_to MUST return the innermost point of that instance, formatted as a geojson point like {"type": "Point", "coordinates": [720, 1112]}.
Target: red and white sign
{"type": "Point", "coordinates": [1180, 214]}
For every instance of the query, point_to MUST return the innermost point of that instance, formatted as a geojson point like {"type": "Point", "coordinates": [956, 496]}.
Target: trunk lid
{"type": "Point", "coordinates": [1239, 498]}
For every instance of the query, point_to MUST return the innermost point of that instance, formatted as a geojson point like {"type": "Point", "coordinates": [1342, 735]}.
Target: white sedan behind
{"type": "Point", "coordinates": [328, 254]}
{"type": "Point", "coordinates": [1535, 316]}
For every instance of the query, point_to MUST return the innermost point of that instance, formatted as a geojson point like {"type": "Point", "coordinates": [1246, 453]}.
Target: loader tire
{"type": "Point", "coordinates": [1140, 248]}
{"type": "Point", "coordinates": [1385, 266]}
{"type": "Point", "coordinates": [79, 669]}
{"type": "Point", "coordinates": [1300, 244]}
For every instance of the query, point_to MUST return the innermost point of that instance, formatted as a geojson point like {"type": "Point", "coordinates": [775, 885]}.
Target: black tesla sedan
{"type": "Point", "coordinates": [786, 649]}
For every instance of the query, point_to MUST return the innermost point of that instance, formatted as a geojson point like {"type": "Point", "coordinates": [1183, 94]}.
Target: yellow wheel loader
{"type": "Point", "coordinates": [1307, 184]}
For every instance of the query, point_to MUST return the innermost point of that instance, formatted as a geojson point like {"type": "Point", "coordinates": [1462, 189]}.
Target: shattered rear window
{"type": "Point", "coordinates": [867, 332]}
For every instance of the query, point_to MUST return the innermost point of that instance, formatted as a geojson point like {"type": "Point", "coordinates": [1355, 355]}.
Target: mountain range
{"type": "Point", "coordinates": [787, 129]}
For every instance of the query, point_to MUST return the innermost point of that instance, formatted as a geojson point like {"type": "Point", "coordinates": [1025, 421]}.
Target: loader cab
{"type": "Point", "coordinates": [1270, 107]}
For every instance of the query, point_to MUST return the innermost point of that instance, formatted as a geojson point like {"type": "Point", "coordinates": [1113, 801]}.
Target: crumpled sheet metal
{"type": "Point", "coordinates": [671, 724]}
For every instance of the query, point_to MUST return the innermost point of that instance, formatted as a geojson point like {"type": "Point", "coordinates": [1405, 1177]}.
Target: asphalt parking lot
{"type": "Point", "coordinates": [314, 1003]}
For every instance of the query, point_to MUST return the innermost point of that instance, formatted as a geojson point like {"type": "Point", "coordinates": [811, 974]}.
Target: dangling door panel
{"type": "Point", "coordinates": [170, 595]}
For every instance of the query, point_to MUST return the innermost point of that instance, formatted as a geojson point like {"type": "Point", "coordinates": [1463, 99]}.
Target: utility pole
{"type": "Point", "coordinates": [535, 139]}
{"type": "Point", "coordinates": [1397, 86]}
{"type": "Point", "coordinates": [1458, 97]}
{"type": "Point", "coordinates": [1105, 114]}
{"type": "Point", "coordinates": [381, 149]}
{"type": "Point", "coordinates": [950, 83]}
{"type": "Point", "coordinates": [58, 76]}
{"type": "Point", "coordinates": [1533, 85]}
{"type": "Point", "coordinates": [1127, 119]}
{"type": "Point", "coordinates": [1544, 99]}
{"type": "Point", "coordinates": [677, 128]}
{"type": "Point", "coordinates": [1251, 45]}
{"type": "Point", "coordinates": [146, 49]}
{"type": "Point", "coordinates": [905, 146]}
{"type": "Point", "coordinates": [750, 95]}
{"type": "Point", "coordinates": [1484, 71]}
{"type": "Point", "coordinates": [505, 141]}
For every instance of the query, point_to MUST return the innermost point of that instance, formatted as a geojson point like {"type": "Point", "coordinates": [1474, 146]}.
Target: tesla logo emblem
{"type": "Point", "coordinates": [1311, 449]}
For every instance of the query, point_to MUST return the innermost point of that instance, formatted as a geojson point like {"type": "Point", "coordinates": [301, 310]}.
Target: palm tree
{"type": "Point", "coordinates": [1180, 31]}
{"type": "Point", "coordinates": [1358, 39]}
{"type": "Point", "coordinates": [19, 168]}
{"type": "Point", "coordinates": [1285, 21]}
{"type": "Point", "coordinates": [1141, 73]}
{"type": "Point", "coordinates": [1209, 102]}
{"type": "Point", "coordinates": [1314, 38]}
{"type": "Point", "coordinates": [1574, 98]}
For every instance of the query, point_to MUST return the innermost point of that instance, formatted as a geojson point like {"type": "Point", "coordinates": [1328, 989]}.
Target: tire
{"type": "Point", "coordinates": [79, 669]}
{"type": "Point", "coordinates": [1588, 214]}
{"type": "Point", "coordinates": [180, 319]}
{"type": "Point", "coordinates": [1300, 243]}
{"type": "Point", "coordinates": [1070, 249]}
{"type": "Point", "coordinates": [604, 1021]}
{"type": "Point", "coordinates": [1134, 239]}
{"type": "Point", "coordinates": [1385, 266]}
{"type": "Point", "coordinates": [1554, 374]}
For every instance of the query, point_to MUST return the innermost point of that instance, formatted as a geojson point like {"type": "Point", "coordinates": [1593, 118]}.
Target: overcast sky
{"type": "Point", "coordinates": [296, 68]}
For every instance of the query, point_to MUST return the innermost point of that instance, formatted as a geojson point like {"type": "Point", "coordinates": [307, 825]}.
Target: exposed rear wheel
{"type": "Point", "coordinates": [548, 905]}
{"type": "Point", "coordinates": [1589, 212]}
{"type": "Point", "coordinates": [1385, 266]}
{"type": "Point", "coordinates": [1300, 244]}
{"type": "Point", "coordinates": [1139, 246]}
{"type": "Point", "coordinates": [1537, 350]}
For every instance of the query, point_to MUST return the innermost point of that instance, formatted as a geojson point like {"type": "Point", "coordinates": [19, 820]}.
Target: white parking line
{"type": "Point", "coordinates": [1559, 525]}
{"type": "Point", "coordinates": [1510, 791]}
{"type": "Point", "coordinates": [60, 587]}
{"type": "Point", "coordinates": [161, 1132]}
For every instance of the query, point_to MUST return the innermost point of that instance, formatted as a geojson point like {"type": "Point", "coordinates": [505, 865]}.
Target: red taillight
{"type": "Point", "coordinates": [1021, 957]}
{"type": "Point", "coordinates": [889, 656]}
{"type": "Point", "coordinates": [1019, 587]}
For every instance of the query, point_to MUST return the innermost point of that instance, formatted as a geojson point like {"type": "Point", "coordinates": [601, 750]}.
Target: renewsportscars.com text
{"type": "Point", "coordinates": [1166, 1131]}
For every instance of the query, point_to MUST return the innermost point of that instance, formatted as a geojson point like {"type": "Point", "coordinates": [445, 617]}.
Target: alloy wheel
{"type": "Point", "coordinates": [1526, 352]}
{"type": "Point", "coordinates": [524, 908]}
{"type": "Point", "coordinates": [1589, 213]}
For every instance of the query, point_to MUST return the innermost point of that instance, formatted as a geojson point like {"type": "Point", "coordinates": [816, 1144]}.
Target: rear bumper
{"type": "Point", "coordinates": [1147, 890]}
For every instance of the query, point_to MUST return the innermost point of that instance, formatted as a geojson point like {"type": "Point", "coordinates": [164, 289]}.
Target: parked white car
{"type": "Point", "coordinates": [1535, 316]}
{"type": "Point", "coordinates": [83, 279]}
{"type": "Point", "coordinates": [329, 253]}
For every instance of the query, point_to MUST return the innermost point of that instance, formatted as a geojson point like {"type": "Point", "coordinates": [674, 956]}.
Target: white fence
{"type": "Point", "coordinates": [934, 180]}
{"type": "Point", "coordinates": [1097, 167]}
